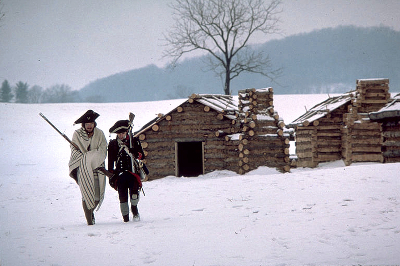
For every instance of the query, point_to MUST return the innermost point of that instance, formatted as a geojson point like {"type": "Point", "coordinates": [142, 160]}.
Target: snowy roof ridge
{"type": "Point", "coordinates": [323, 108]}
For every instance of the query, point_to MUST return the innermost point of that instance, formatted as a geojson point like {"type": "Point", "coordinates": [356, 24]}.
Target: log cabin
{"type": "Point", "coordinates": [340, 127]}
{"type": "Point", "coordinates": [318, 132]}
{"type": "Point", "coordinates": [216, 132]}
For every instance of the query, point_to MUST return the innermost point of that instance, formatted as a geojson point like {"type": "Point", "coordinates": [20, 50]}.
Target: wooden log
{"type": "Point", "coordinates": [392, 159]}
{"type": "Point", "coordinates": [286, 168]}
{"type": "Point", "coordinates": [168, 118]}
{"type": "Point", "coordinates": [220, 133]}
{"type": "Point", "coordinates": [179, 109]}
{"type": "Point", "coordinates": [367, 158]}
{"type": "Point", "coordinates": [155, 127]}
{"type": "Point", "coordinates": [206, 109]}
{"type": "Point", "coordinates": [367, 149]}
{"type": "Point", "coordinates": [365, 82]}
{"type": "Point", "coordinates": [391, 143]}
{"type": "Point", "coordinates": [245, 141]}
{"type": "Point", "coordinates": [305, 154]}
{"type": "Point", "coordinates": [328, 135]}
{"type": "Point", "coordinates": [142, 137]}
{"type": "Point", "coordinates": [241, 147]}
{"type": "Point", "coordinates": [328, 157]}
{"type": "Point", "coordinates": [144, 145]}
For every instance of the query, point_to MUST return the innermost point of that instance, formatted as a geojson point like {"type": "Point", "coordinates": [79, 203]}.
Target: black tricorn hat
{"type": "Point", "coordinates": [120, 126]}
{"type": "Point", "coordinates": [87, 117]}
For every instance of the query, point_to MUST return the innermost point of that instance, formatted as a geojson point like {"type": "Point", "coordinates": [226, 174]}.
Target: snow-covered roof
{"type": "Point", "coordinates": [322, 109]}
{"type": "Point", "coordinates": [224, 104]}
{"type": "Point", "coordinates": [390, 110]}
{"type": "Point", "coordinates": [220, 103]}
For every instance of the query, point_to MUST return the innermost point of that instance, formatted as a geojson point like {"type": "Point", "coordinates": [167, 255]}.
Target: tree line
{"type": "Point", "coordinates": [23, 93]}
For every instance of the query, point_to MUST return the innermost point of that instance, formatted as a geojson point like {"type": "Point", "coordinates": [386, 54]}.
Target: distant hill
{"type": "Point", "coordinates": [324, 61]}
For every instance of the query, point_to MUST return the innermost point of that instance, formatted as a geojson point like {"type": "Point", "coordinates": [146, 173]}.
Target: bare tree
{"type": "Point", "coordinates": [35, 94]}
{"type": "Point", "coordinates": [60, 94]}
{"type": "Point", "coordinates": [223, 29]}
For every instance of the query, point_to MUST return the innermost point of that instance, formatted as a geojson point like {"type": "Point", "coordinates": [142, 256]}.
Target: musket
{"type": "Point", "coordinates": [134, 161]}
{"type": "Point", "coordinates": [131, 117]}
{"type": "Point", "coordinates": [62, 134]}
{"type": "Point", "coordinates": [101, 169]}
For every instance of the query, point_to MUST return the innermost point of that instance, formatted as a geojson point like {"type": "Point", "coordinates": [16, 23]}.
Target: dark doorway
{"type": "Point", "coordinates": [189, 158]}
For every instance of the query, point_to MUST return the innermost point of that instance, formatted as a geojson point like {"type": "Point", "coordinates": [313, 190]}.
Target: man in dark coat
{"type": "Point", "coordinates": [121, 162]}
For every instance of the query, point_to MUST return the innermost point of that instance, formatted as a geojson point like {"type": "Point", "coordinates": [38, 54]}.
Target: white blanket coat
{"type": "Point", "coordinates": [92, 154]}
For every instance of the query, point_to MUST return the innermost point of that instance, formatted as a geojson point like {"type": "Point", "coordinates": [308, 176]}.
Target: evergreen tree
{"type": "Point", "coordinates": [6, 94]}
{"type": "Point", "coordinates": [21, 93]}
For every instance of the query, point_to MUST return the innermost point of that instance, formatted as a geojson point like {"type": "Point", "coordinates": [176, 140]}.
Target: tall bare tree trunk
{"type": "Point", "coordinates": [227, 88]}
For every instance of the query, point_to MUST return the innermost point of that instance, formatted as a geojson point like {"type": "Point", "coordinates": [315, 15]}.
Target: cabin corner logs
{"type": "Point", "coordinates": [262, 141]}
{"type": "Point", "coordinates": [215, 132]}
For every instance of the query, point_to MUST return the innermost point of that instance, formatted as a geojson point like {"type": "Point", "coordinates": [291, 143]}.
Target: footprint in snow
{"type": "Point", "coordinates": [93, 234]}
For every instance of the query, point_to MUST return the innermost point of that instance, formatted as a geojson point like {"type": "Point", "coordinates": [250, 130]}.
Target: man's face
{"type": "Point", "coordinates": [89, 127]}
{"type": "Point", "coordinates": [122, 135]}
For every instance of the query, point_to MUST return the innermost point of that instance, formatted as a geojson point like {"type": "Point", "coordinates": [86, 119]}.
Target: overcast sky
{"type": "Point", "coordinates": [74, 42]}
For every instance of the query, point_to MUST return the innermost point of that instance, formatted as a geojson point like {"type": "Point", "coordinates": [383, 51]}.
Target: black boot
{"type": "Point", "coordinates": [126, 218]}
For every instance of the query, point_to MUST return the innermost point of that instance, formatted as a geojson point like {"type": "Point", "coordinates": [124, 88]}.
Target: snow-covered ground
{"type": "Point", "coordinates": [331, 215]}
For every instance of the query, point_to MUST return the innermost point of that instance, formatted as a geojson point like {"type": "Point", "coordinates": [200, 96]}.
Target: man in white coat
{"type": "Point", "coordinates": [91, 154]}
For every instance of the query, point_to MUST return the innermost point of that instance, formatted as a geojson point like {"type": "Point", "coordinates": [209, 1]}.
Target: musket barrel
{"type": "Point", "coordinates": [62, 134]}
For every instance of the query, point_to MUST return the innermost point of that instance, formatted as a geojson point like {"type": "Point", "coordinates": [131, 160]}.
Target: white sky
{"type": "Point", "coordinates": [74, 42]}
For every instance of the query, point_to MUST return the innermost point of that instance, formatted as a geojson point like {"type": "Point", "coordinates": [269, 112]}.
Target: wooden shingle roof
{"type": "Point", "coordinates": [223, 104]}
{"type": "Point", "coordinates": [322, 109]}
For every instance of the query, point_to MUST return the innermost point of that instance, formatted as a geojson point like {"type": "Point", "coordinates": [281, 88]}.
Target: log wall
{"type": "Point", "coordinates": [391, 141]}
{"type": "Point", "coordinates": [321, 140]}
{"type": "Point", "coordinates": [362, 141]}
